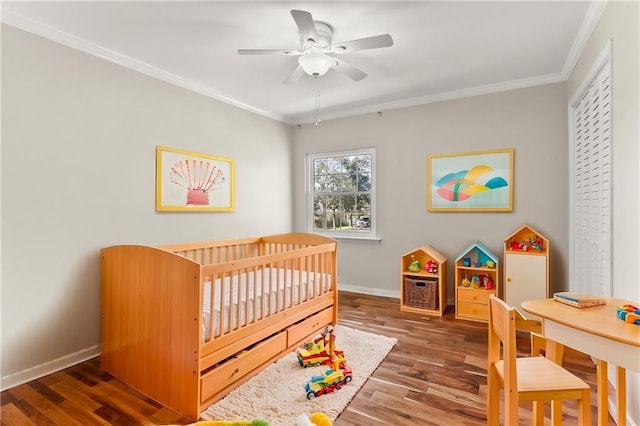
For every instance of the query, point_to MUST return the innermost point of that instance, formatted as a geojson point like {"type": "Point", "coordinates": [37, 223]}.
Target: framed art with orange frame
{"type": "Point", "coordinates": [471, 181]}
{"type": "Point", "coordinates": [190, 181]}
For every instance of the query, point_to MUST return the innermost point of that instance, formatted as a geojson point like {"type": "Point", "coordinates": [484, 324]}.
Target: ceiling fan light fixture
{"type": "Point", "coordinates": [315, 63]}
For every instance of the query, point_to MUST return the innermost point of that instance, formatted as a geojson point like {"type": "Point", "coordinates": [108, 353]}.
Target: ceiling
{"type": "Point", "coordinates": [441, 50]}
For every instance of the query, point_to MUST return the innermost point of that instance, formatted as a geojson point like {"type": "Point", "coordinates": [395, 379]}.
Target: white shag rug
{"type": "Point", "coordinates": [277, 393]}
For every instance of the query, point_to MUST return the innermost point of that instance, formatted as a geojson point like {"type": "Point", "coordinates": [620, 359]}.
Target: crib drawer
{"type": "Point", "coordinates": [303, 329]}
{"type": "Point", "coordinates": [234, 369]}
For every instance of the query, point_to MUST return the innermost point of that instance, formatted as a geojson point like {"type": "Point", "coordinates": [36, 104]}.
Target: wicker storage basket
{"type": "Point", "coordinates": [422, 293]}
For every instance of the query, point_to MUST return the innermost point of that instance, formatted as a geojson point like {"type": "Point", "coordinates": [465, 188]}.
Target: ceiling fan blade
{"type": "Point", "coordinates": [349, 70]}
{"type": "Point", "coordinates": [374, 42]}
{"type": "Point", "coordinates": [305, 24]}
{"type": "Point", "coordinates": [268, 52]}
{"type": "Point", "coordinates": [295, 75]}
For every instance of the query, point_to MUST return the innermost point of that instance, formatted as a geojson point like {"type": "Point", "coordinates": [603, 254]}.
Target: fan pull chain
{"type": "Point", "coordinates": [318, 120]}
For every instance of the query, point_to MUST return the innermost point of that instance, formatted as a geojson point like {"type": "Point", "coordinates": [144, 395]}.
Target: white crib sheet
{"type": "Point", "coordinates": [269, 298]}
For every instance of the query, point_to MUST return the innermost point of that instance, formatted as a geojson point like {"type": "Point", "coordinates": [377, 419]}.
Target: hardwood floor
{"type": "Point", "coordinates": [435, 375]}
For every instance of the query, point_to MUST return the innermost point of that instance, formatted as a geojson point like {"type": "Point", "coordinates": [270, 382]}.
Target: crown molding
{"type": "Point", "coordinates": [588, 24]}
{"type": "Point", "coordinates": [16, 20]}
{"type": "Point", "coordinates": [439, 97]}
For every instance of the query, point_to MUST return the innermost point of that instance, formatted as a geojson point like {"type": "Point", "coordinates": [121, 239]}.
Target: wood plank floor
{"type": "Point", "coordinates": [435, 375]}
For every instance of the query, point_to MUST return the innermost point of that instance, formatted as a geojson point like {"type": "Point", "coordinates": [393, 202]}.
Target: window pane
{"type": "Point", "coordinates": [364, 182]}
{"type": "Point", "coordinates": [364, 163]}
{"type": "Point", "coordinates": [363, 204]}
{"type": "Point", "coordinates": [332, 183]}
{"type": "Point", "coordinates": [320, 166]}
{"type": "Point", "coordinates": [347, 163]}
{"type": "Point", "coordinates": [349, 211]}
{"type": "Point", "coordinates": [320, 184]}
{"type": "Point", "coordinates": [333, 165]}
{"type": "Point", "coordinates": [346, 183]}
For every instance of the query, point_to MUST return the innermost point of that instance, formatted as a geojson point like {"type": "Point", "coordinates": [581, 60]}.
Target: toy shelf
{"type": "Point", "coordinates": [421, 291]}
{"type": "Point", "coordinates": [476, 278]}
{"type": "Point", "coordinates": [526, 268]}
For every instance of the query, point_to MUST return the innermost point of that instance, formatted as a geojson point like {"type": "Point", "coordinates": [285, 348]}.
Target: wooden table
{"type": "Point", "coordinates": [598, 332]}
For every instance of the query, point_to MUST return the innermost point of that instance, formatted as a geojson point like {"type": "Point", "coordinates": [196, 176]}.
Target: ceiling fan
{"type": "Point", "coordinates": [316, 39]}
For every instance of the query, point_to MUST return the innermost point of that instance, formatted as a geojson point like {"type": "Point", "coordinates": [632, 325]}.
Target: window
{"type": "Point", "coordinates": [341, 193]}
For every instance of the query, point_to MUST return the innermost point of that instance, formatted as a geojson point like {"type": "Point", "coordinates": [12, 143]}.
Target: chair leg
{"type": "Point", "coordinates": [556, 413]}
{"type": "Point", "coordinates": [511, 409]}
{"type": "Point", "coordinates": [538, 413]}
{"type": "Point", "coordinates": [584, 408]}
{"type": "Point", "coordinates": [493, 398]}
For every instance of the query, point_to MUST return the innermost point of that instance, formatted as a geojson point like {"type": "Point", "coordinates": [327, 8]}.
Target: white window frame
{"type": "Point", "coordinates": [367, 234]}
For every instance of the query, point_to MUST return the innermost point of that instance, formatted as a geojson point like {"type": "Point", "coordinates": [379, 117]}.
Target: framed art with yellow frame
{"type": "Point", "coordinates": [471, 181]}
{"type": "Point", "coordinates": [190, 181]}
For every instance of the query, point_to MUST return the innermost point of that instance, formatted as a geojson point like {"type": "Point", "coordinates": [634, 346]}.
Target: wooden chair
{"type": "Point", "coordinates": [525, 379]}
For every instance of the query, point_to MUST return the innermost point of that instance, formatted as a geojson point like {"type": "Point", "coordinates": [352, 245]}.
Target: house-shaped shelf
{"type": "Point", "coordinates": [423, 255]}
{"type": "Point", "coordinates": [476, 278]}
{"type": "Point", "coordinates": [526, 268]}
{"type": "Point", "coordinates": [423, 288]}
{"type": "Point", "coordinates": [526, 239]}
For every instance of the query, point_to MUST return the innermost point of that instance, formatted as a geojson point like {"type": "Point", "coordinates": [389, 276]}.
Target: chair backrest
{"type": "Point", "coordinates": [542, 346]}
{"type": "Point", "coordinates": [502, 330]}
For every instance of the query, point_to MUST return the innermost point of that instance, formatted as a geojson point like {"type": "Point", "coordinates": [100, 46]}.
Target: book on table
{"type": "Point", "coordinates": [578, 300]}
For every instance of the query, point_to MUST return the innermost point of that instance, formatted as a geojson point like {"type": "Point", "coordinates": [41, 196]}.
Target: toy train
{"type": "Point", "coordinates": [319, 351]}
{"type": "Point", "coordinates": [330, 381]}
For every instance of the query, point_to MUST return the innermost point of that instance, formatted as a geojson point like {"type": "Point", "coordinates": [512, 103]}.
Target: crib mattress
{"type": "Point", "coordinates": [247, 297]}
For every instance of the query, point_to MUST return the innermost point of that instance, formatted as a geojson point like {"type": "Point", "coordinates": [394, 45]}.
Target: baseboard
{"type": "Point", "coordinates": [369, 290]}
{"type": "Point", "coordinates": [49, 367]}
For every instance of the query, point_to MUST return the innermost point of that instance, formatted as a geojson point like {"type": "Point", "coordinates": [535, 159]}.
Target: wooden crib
{"type": "Point", "coordinates": [187, 323]}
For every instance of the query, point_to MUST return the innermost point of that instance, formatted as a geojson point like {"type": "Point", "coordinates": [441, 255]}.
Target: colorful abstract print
{"type": "Point", "coordinates": [462, 185]}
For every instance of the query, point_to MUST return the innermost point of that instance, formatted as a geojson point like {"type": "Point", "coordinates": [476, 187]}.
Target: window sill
{"type": "Point", "coordinates": [357, 239]}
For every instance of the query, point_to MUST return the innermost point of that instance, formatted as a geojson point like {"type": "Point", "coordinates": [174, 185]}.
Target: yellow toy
{"type": "Point", "coordinates": [315, 419]}
{"type": "Point", "coordinates": [465, 282]}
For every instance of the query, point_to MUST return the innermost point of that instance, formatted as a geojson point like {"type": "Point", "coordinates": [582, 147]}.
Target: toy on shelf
{"type": "Point", "coordinates": [431, 267]}
{"type": "Point", "coordinates": [533, 243]}
{"type": "Point", "coordinates": [491, 264]}
{"type": "Point", "coordinates": [414, 266]}
{"type": "Point", "coordinates": [466, 262]}
{"type": "Point", "coordinates": [475, 281]}
{"type": "Point", "coordinates": [536, 243]}
{"type": "Point", "coordinates": [629, 314]}
{"type": "Point", "coordinates": [486, 281]}
{"type": "Point", "coordinates": [320, 351]}
{"type": "Point", "coordinates": [465, 282]}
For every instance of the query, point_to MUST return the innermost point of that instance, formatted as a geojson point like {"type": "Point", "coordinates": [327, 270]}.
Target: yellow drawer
{"type": "Point", "coordinates": [309, 326]}
{"type": "Point", "coordinates": [233, 369]}
{"type": "Point", "coordinates": [473, 310]}
{"type": "Point", "coordinates": [474, 295]}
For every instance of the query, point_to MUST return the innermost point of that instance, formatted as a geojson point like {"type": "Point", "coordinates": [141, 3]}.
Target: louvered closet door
{"type": "Point", "coordinates": [592, 188]}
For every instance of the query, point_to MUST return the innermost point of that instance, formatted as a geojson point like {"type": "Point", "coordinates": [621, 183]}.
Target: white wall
{"type": "Point", "coordinates": [78, 174]}
{"type": "Point", "coordinates": [533, 121]}
{"type": "Point", "coordinates": [619, 24]}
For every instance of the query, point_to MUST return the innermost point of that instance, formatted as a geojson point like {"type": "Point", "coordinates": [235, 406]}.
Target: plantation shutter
{"type": "Point", "coordinates": [591, 266]}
